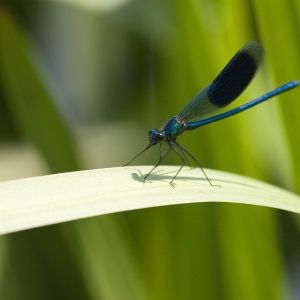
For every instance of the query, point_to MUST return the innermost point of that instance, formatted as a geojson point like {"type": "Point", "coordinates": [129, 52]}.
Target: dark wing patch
{"type": "Point", "coordinates": [227, 86]}
{"type": "Point", "coordinates": [237, 75]}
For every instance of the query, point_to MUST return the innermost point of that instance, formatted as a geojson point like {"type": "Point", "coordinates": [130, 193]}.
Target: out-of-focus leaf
{"type": "Point", "coordinates": [29, 102]}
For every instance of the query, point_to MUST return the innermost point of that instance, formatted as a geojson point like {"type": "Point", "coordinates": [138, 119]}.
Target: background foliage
{"type": "Point", "coordinates": [81, 83]}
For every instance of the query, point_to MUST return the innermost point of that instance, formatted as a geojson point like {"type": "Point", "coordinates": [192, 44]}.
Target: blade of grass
{"type": "Point", "coordinates": [39, 201]}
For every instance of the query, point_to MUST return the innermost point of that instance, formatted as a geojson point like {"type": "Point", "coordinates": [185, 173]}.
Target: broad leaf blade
{"type": "Point", "coordinates": [52, 199]}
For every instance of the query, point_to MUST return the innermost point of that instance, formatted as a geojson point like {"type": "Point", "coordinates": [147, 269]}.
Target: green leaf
{"type": "Point", "coordinates": [45, 200]}
{"type": "Point", "coordinates": [36, 117]}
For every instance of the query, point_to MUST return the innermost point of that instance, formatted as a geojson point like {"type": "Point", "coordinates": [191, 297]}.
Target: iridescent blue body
{"type": "Point", "coordinates": [171, 131]}
{"type": "Point", "coordinates": [226, 87]}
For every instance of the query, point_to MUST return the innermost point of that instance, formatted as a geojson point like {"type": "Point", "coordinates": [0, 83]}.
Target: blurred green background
{"type": "Point", "coordinates": [81, 83]}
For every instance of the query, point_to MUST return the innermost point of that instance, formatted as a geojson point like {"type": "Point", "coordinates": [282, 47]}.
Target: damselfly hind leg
{"type": "Point", "coordinates": [194, 159]}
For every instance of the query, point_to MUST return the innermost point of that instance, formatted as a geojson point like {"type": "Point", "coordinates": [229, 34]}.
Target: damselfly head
{"type": "Point", "coordinates": [155, 136]}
